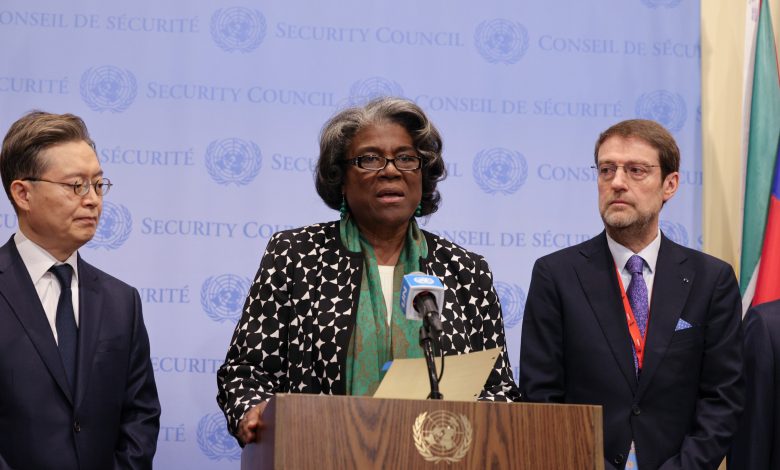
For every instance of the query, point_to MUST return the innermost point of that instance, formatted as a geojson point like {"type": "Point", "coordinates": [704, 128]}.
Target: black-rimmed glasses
{"type": "Point", "coordinates": [378, 162]}
{"type": "Point", "coordinates": [81, 188]}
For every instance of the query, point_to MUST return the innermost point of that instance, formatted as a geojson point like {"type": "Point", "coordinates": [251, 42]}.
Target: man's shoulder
{"type": "Point", "coordinates": [6, 251]}
{"type": "Point", "coordinates": [569, 254]}
{"type": "Point", "coordinates": [767, 314]}
{"type": "Point", "coordinates": [768, 308]}
{"type": "Point", "coordinates": [89, 273]}
{"type": "Point", "coordinates": [699, 258]}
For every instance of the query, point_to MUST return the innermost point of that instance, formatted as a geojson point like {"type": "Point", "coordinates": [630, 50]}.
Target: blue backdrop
{"type": "Point", "coordinates": [206, 117]}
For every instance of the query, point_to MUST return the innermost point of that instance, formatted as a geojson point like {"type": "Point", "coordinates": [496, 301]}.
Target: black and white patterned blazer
{"type": "Point", "coordinates": [297, 321]}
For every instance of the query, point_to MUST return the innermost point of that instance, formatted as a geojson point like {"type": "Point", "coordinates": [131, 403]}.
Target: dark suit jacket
{"type": "Point", "coordinates": [113, 420]}
{"type": "Point", "coordinates": [757, 442]}
{"type": "Point", "coordinates": [576, 348]}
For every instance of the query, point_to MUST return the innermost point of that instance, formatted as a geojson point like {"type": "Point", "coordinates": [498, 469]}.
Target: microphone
{"type": "Point", "coordinates": [422, 298]}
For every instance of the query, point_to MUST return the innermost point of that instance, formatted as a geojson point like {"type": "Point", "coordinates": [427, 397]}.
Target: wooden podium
{"type": "Point", "coordinates": [341, 432]}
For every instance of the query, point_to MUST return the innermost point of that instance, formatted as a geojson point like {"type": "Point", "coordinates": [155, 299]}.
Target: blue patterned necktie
{"type": "Point", "coordinates": [67, 331]}
{"type": "Point", "coordinates": [637, 292]}
{"type": "Point", "coordinates": [637, 298]}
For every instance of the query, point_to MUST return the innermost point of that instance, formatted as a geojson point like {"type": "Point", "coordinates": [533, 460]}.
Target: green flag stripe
{"type": "Point", "coordinates": [762, 145]}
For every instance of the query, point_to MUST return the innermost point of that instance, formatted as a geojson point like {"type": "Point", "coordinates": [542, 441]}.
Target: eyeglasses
{"type": "Point", "coordinates": [636, 171]}
{"type": "Point", "coordinates": [377, 162]}
{"type": "Point", "coordinates": [81, 188]}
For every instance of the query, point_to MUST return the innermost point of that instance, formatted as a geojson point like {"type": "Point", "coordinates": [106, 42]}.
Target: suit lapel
{"type": "Point", "coordinates": [671, 286]}
{"type": "Point", "coordinates": [18, 290]}
{"type": "Point", "coordinates": [596, 272]}
{"type": "Point", "coordinates": [90, 303]}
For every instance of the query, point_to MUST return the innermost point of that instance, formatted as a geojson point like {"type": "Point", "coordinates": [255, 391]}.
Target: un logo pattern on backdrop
{"type": "Point", "coordinates": [363, 91]}
{"type": "Point", "coordinates": [114, 227]}
{"type": "Point", "coordinates": [674, 231]}
{"type": "Point", "coordinates": [108, 88]}
{"type": "Point", "coordinates": [500, 170]}
{"type": "Point", "coordinates": [238, 29]}
{"type": "Point", "coordinates": [500, 40]}
{"type": "Point", "coordinates": [663, 106]}
{"type": "Point", "coordinates": [222, 297]}
{"type": "Point", "coordinates": [214, 440]}
{"type": "Point", "coordinates": [233, 161]}
{"type": "Point", "coordinates": [512, 300]}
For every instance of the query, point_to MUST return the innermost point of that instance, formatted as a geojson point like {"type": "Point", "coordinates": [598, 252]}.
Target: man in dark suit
{"type": "Point", "coordinates": [636, 323]}
{"type": "Point", "coordinates": [77, 389]}
{"type": "Point", "coordinates": [757, 442]}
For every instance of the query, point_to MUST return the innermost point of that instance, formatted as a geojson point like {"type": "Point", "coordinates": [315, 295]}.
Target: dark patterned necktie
{"type": "Point", "coordinates": [637, 292]}
{"type": "Point", "coordinates": [67, 331]}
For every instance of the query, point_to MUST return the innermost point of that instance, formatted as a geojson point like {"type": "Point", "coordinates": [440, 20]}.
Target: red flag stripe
{"type": "Point", "coordinates": [768, 282]}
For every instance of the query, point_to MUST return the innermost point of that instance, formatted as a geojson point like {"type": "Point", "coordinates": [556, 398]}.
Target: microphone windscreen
{"type": "Point", "coordinates": [416, 283]}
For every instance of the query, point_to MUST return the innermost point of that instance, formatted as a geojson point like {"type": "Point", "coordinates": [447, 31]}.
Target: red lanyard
{"type": "Point", "coordinates": [633, 328]}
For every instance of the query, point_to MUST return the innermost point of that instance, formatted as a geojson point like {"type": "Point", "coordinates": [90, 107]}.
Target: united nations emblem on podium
{"type": "Point", "coordinates": [442, 436]}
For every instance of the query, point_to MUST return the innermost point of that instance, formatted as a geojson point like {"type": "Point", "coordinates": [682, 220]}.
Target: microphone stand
{"type": "Point", "coordinates": [429, 341]}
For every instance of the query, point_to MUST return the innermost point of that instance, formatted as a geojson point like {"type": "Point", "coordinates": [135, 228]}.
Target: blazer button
{"type": "Point", "coordinates": [618, 459]}
{"type": "Point", "coordinates": [636, 410]}
{"type": "Point", "coordinates": [76, 426]}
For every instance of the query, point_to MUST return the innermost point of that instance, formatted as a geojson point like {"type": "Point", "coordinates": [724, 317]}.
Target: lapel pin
{"type": "Point", "coordinates": [685, 280]}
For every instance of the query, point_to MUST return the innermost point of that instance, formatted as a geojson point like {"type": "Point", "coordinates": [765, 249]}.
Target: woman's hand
{"type": "Point", "coordinates": [249, 427]}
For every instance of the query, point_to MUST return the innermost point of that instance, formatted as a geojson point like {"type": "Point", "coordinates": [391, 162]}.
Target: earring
{"type": "Point", "coordinates": [418, 211]}
{"type": "Point", "coordinates": [343, 209]}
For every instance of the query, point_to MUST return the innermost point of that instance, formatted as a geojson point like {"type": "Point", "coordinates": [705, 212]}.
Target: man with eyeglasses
{"type": "Point", "coordinates": [636, 323]}
{"type": "Point", "coordinates": [77, 389]}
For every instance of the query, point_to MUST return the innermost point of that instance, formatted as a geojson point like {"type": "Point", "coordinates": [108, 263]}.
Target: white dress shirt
{"type": "Point", "coordinates": [38, 261]}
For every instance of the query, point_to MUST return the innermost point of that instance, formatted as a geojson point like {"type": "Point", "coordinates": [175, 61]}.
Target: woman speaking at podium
{"type": "Point", "coordinates": [323, 315]}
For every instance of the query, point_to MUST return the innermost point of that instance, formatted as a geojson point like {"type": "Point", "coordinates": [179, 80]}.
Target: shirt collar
{"type": "Point", "coordinates": [649, 253]}
{"type": "Point", "coordinates": [37, 260]}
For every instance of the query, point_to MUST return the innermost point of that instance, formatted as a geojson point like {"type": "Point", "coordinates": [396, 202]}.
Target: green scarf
{"type": "Point", "coordinates": [373, 343]}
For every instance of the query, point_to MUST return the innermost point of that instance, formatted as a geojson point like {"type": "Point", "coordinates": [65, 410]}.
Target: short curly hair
{"type": "Point", "coordinates": [338, 132]}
